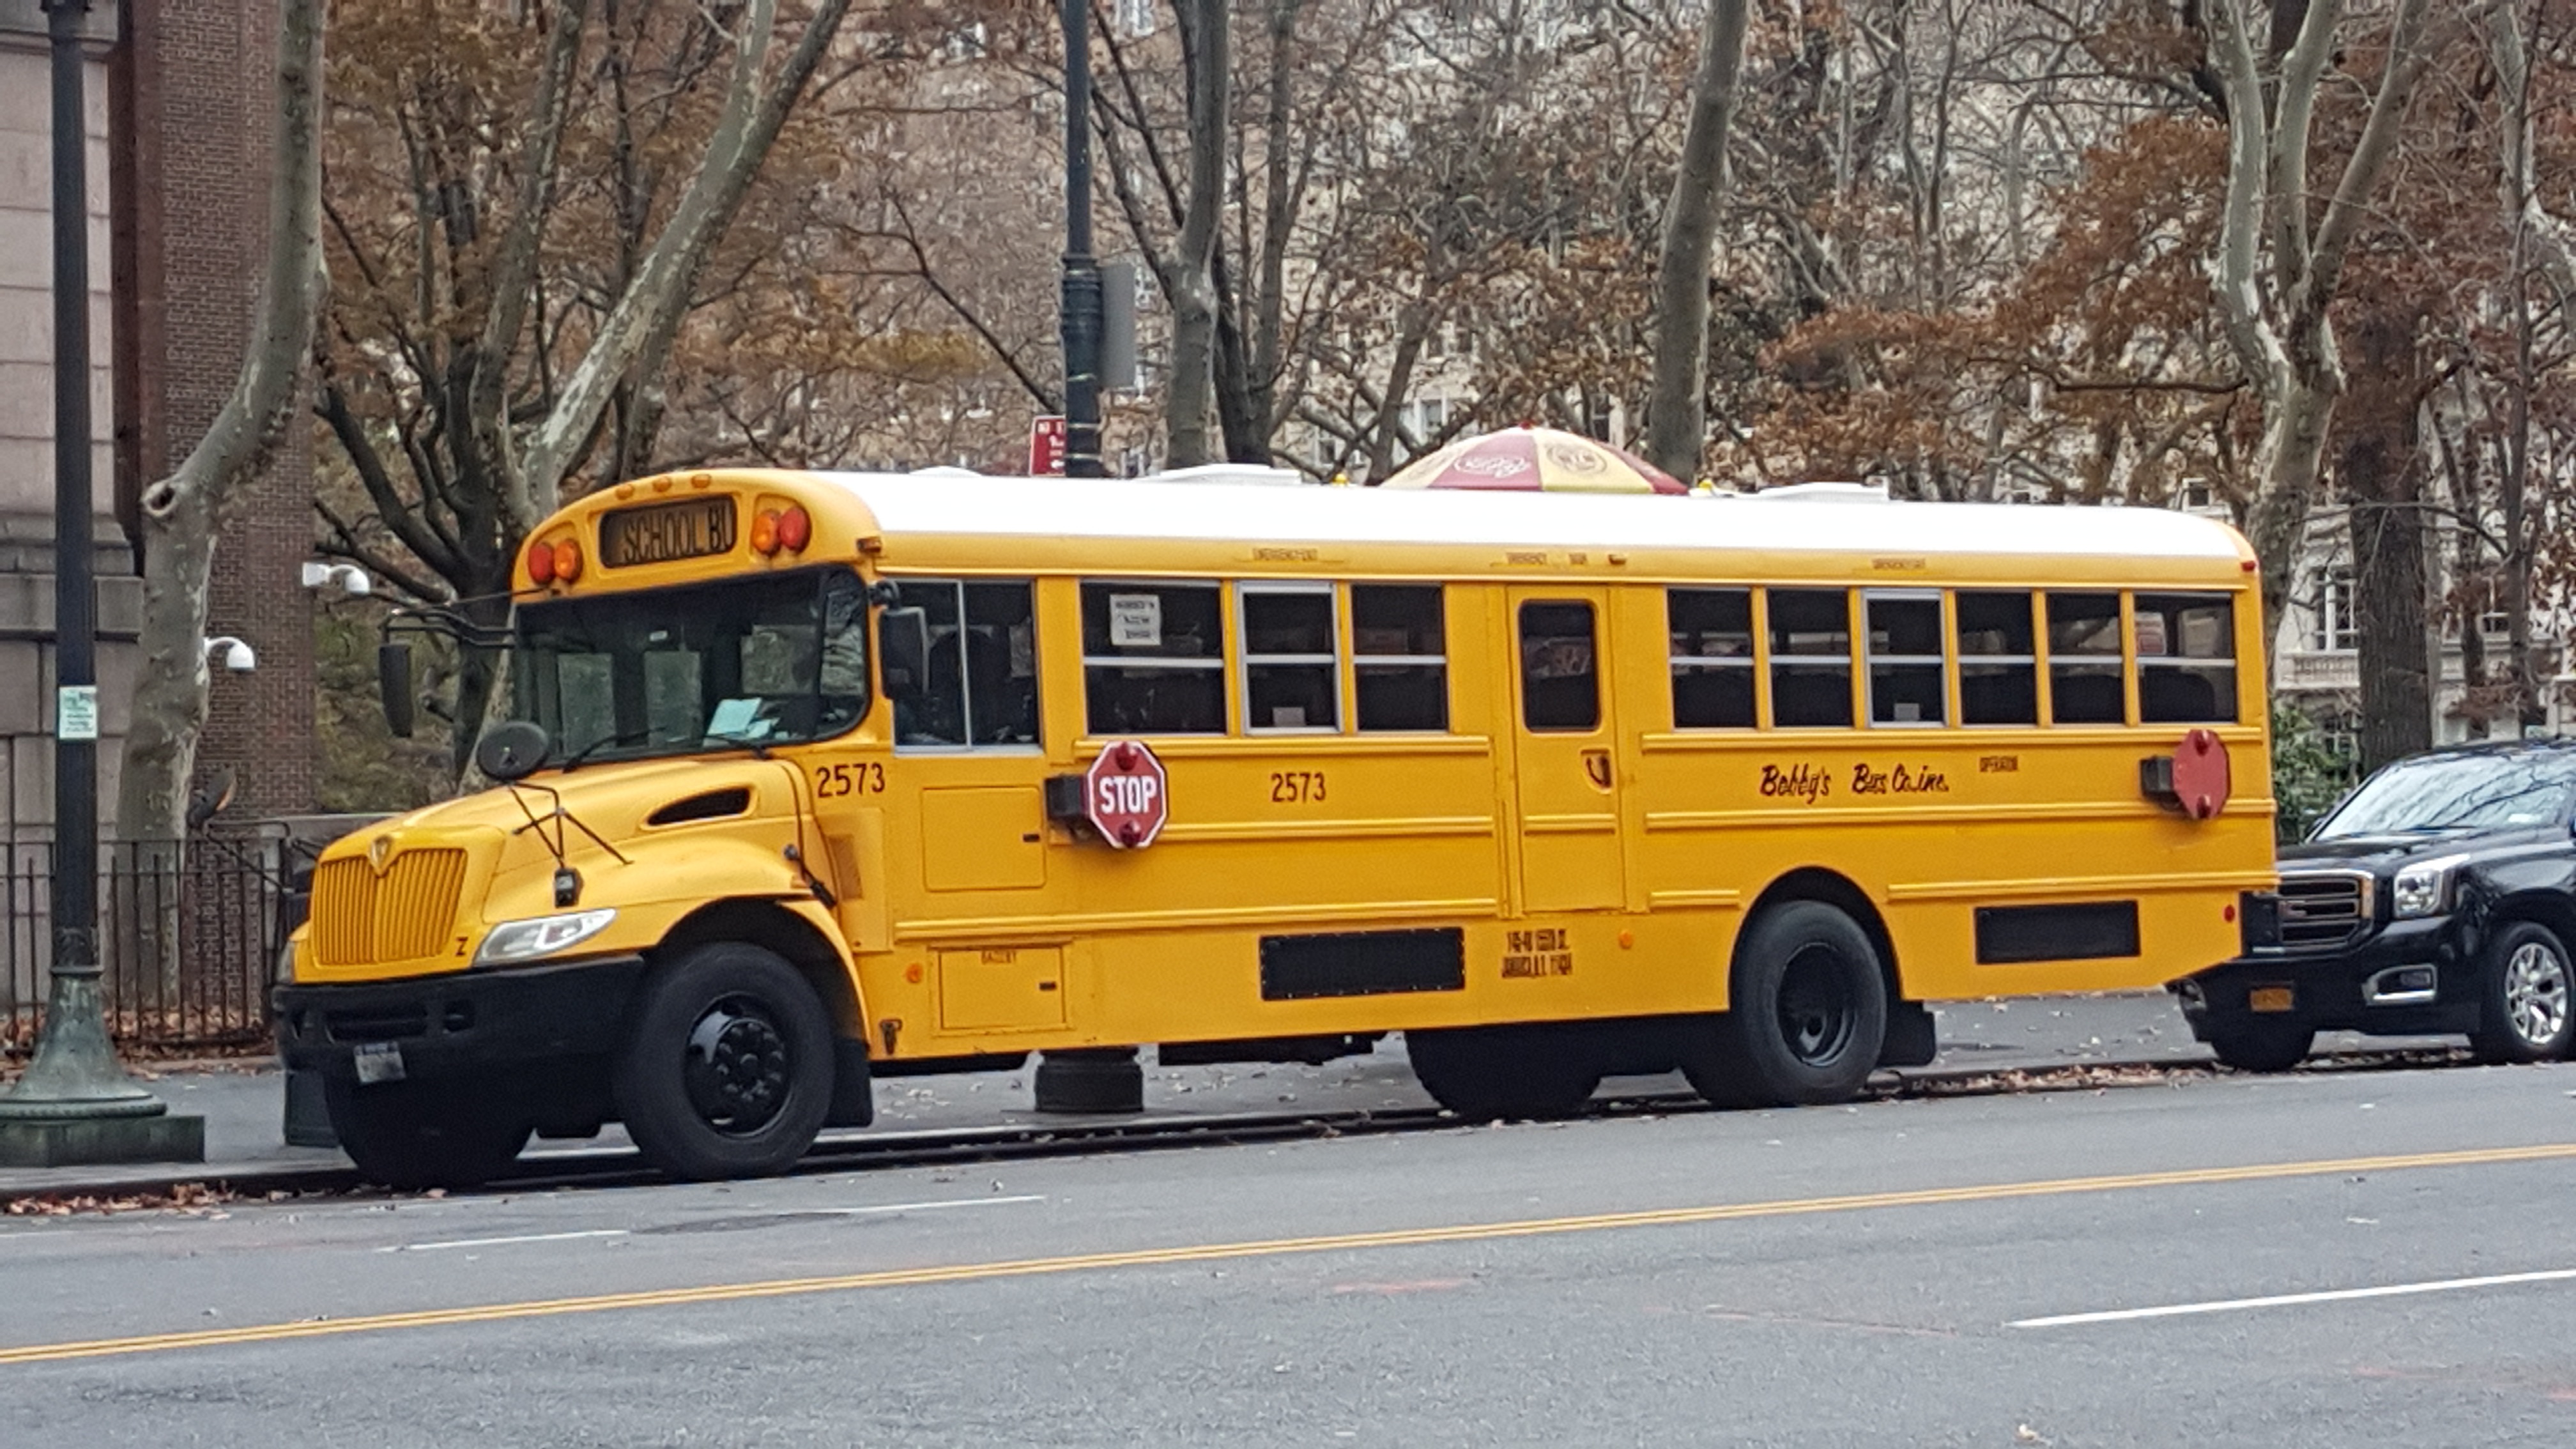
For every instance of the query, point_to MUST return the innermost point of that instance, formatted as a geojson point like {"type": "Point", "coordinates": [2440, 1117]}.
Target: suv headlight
{"type": "Point", "coordinates": [512, 942]}
{"type": "Point", "coordinates": [2425, 890]}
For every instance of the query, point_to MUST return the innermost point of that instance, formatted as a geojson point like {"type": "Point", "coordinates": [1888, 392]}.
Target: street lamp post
{"type": "Point", "coordinates": [1081, 319]}
{"type": "Point", "coordinates": [76, 1104]}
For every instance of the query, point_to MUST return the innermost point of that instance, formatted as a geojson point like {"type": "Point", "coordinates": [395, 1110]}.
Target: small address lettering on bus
{"type": "Point", "coordinates": [1528, 955]}
{"type": "Point", "coordinates": [1812, 783]}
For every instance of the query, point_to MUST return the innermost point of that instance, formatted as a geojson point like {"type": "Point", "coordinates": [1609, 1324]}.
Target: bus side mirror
{"type": "Point", "coordinates": [903, 642]}
{"type": "Point", "coordinates": [393, 680]}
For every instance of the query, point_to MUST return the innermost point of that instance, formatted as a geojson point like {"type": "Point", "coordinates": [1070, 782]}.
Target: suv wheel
{"type": "Point", "coordinates": [2525, 988]}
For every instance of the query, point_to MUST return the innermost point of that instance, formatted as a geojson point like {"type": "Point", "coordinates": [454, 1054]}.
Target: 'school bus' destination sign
{"type": "Point", "coordinates": [663, 532]}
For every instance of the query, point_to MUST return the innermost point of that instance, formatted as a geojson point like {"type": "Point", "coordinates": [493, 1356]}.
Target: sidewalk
{"type": "Point", "coordinates": [244, 1105]}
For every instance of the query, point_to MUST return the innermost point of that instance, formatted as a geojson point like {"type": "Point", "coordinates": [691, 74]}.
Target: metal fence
{"type": "Point", "coordinates": [190, 936]}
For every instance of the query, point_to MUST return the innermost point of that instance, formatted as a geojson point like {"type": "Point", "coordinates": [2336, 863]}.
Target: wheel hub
{"type": "Point", "coordinates": [737, 1071]}
{"type": "Point", "coordinates": [2535, 993]}
{"type": "Point", "coordinates": [1816, 1008]}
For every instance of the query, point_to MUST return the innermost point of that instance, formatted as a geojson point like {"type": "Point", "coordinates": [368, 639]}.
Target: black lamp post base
{"type": "Point", "coordinates": [87, 1141]}
{"type": "Point", "coordinates": [1090, 1079]}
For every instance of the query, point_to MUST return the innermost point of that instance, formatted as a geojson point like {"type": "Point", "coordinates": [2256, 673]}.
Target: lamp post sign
{"type": "Point", "coordinates": [1046, 446]}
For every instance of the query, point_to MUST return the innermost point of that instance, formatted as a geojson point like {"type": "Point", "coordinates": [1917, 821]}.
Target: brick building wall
{"type": "Point", "coordinates": [194, 123]}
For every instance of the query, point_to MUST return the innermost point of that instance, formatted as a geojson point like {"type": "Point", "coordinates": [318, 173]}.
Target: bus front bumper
{"type": "Point", "coordinates": [440, 1026]}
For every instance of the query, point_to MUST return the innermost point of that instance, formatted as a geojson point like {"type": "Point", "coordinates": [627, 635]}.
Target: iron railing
{"type": "Point", "coordinates": [190, 936]}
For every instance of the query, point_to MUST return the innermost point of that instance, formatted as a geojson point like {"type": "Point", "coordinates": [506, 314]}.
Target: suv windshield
{"type": "Point", "coordinates": [2457, 792]}
{"type": "Point", "coordinates": [779, 659]}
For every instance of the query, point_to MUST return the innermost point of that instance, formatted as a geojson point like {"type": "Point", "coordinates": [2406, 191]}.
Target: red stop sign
{"type": "Point", "coordinates": [1126, 795]}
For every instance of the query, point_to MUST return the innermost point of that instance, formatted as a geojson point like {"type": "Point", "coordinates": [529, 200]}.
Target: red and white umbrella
{"type": "Point", "coordinates": [1535, 460]}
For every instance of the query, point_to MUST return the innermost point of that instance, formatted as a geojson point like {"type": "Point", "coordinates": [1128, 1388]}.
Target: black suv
{"type": "Point", "coordinates": [2439, 897]}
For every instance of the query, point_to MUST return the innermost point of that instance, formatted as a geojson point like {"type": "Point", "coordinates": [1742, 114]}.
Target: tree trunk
{"type": "Point", "coordinates": [1204, 42]}
{"type": "Point", "coordinates": [1677, 408]}
{"type": "Point", "coordinates": [2286, 463]}
{"type": "Point", "coordinates": [2380, 467]}
{"type": "Point", "coordinates": [182, 514]}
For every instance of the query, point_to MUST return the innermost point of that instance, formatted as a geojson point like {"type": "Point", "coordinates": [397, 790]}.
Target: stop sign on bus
{"type": "Point", "coordinates": [1126, 795]}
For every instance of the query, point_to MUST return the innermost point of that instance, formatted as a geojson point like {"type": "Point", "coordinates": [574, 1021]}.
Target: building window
{"type": "Point", "coordinates": [1905, 664]}
{"type": "Point", "coordinates": [1998, 665]}
{"type": "Point", "coordinates": [2084, 678]}
{"type": "Point", "coordinates": [1810, 657]}
{"type": "Point", "coordinates": [1712, 657]}
{"type": "Point", "coordinates": [2337, 627]}
{"type": "Point", "coordinates": [1291, 675]}
{"type": "Point", "coordinates": [983, 684]}
{"type": "Point", "coordinates": [1560, 668]}
{"type": "Point", "coordinates": [1137, 18]}
{"type": "Point", "coordinates": [2186, 658]}
{"type": "Point", "coordinates": [1153, 658]}
{"type": "Point", "coordinates": [1399, 657]}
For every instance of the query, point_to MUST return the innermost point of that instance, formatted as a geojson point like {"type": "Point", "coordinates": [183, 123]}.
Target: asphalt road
{"type": "Point", "coordinates": [1911, 1272]}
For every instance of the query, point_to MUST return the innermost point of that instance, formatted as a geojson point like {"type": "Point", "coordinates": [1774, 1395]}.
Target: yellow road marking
{"type": "Point", "coordinates": [1273, 1247]}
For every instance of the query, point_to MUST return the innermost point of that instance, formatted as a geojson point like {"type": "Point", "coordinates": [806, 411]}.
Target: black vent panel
{"type": "Point", "coordinates": [713, 805]}
{"type": "Point", "coordinates": [1362, 963]}
{"type": "Point", "coordinates": [2095, 931]}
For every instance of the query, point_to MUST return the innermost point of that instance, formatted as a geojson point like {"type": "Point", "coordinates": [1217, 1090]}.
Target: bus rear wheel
{"type": "Point", "coordinates": [728, 1072]}
{"type": "Point", "coordinates": [1807, 1013]}
{"type": "Point", "coordinates": [412, 1135]}
{"type": "Point", "coordinates": [1483, 1073]}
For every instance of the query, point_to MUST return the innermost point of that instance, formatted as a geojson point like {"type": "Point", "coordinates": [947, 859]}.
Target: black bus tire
{"type": "Point", "coordinates": [414, 1135]}
{"type": "Point", "coordinates": [1807, 1013]}
{"type": "Point", "coordinates": [1485, 1073]}
{"type": "Point", "coordinates": [727, 1069]}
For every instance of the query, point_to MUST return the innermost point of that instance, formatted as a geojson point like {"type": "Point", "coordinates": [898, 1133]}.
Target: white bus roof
{"type": "Point", "coordinates": [1145, 510]}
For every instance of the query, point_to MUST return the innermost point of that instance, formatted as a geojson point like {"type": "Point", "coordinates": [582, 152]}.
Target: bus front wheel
{"type": "Point", "coordinates": [1483, 1073]}
{"type": "Point", "coordinates": [728, 1072]}
{"type": "Point", "coordinates": [1807, 1013]}
{"type": "Point", "coordinates": [412, 1135]}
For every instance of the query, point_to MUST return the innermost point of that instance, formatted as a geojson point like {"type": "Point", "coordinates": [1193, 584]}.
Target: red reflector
{"type": "Point", "coordinates": [764, 532]}
{"type": "Point", "coordinates": [541, 564]}
{"type": "Point", "coordinates": [567, 560]}
{"type": "Point", "coordinates": [795, 530]}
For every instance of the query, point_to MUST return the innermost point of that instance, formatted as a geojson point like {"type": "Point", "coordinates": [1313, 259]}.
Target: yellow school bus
{"type": "Point", "coordinates": [807, 788]}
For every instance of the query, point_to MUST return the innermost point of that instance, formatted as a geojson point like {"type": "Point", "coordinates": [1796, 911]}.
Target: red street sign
{"type": "Point", "coordinates": [1126, 795]}
{"type": "Point", "coordinates": [1046, 447]}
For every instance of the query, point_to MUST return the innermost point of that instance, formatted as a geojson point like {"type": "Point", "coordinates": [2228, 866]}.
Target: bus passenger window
{"type": "Point", "coordinates": [982, 688]}
{"type": "Point", "coordinates": [2084, 660]}
{"type": "Point", "coordinates": [1905, 659]}
{"type": "Point", "coordinates": [1712, 657]}
{"type": "Point", "coordinates": [2186, 658]}
{"type": "Point", "coordinates": [1153, 659]}
{"type": "Point", "coordinates": [1291, 674]}
{"type": "Point", "coordinates": [1810, 658]}
{"type": "Point", "coordinates": [1400, 657]}
{"type": "Point", "coordinates": [1998, 663]}
{"type": "Point", "coordinates": [1560, 669]}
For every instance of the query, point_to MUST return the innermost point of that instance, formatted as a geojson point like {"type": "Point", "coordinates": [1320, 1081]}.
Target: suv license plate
{"type": "Point", "coordinates": [379, 1061]}
{"type": "Point", "coordinates": [2261, 998]}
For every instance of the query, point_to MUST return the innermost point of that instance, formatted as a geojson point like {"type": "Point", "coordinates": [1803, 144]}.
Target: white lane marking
{"type": "Point", "coordinates": [919, 1207]}
{"type": "Point", "coordinates": [791, 1213]}
{"type": "Point", "coordinates": [2287, 1300]}
{"type": "Point", "coordinates": [500, 1242]}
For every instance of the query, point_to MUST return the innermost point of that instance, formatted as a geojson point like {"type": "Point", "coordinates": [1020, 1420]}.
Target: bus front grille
{"type": "Point", "coordinates": [360, 917]}
{"type": "Point", "coordinates": [2323, 910]}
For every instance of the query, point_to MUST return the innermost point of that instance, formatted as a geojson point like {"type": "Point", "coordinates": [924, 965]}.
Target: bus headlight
{"type": "Point", "coordinates": [512, 942]}
{"type": "Point", "coordinates": [2425, 890]}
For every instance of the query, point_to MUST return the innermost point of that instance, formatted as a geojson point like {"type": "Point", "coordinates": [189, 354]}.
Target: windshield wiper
{"type": "Point", "coordinates": [631, 737]}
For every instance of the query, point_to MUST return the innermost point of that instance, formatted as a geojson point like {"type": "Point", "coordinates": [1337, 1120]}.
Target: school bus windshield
{"type": "Point", "coordinates": [774, 660]}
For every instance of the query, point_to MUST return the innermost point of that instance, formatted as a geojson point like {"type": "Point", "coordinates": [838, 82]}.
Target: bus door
{"type": "Point", "coordinates": [1563, 752]}
{"type": "Point", "coordinates": [967, 817]}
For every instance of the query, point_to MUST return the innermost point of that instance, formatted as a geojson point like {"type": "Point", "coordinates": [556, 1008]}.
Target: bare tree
{"type": "Point", "coordinates": [1207, 56]}
{"type": "Point", "coordinates": [183, 514]}
{"type": "Point", "coordinates": [2279, 272]}
{"type": "Point", "coordinates": [1677, 412]}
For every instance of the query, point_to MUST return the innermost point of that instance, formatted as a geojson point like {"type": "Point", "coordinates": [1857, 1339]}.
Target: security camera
{"type": "Point", "coordinates": [352, 579]}
{"type": "Point", "coordinates": [237, 655]}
